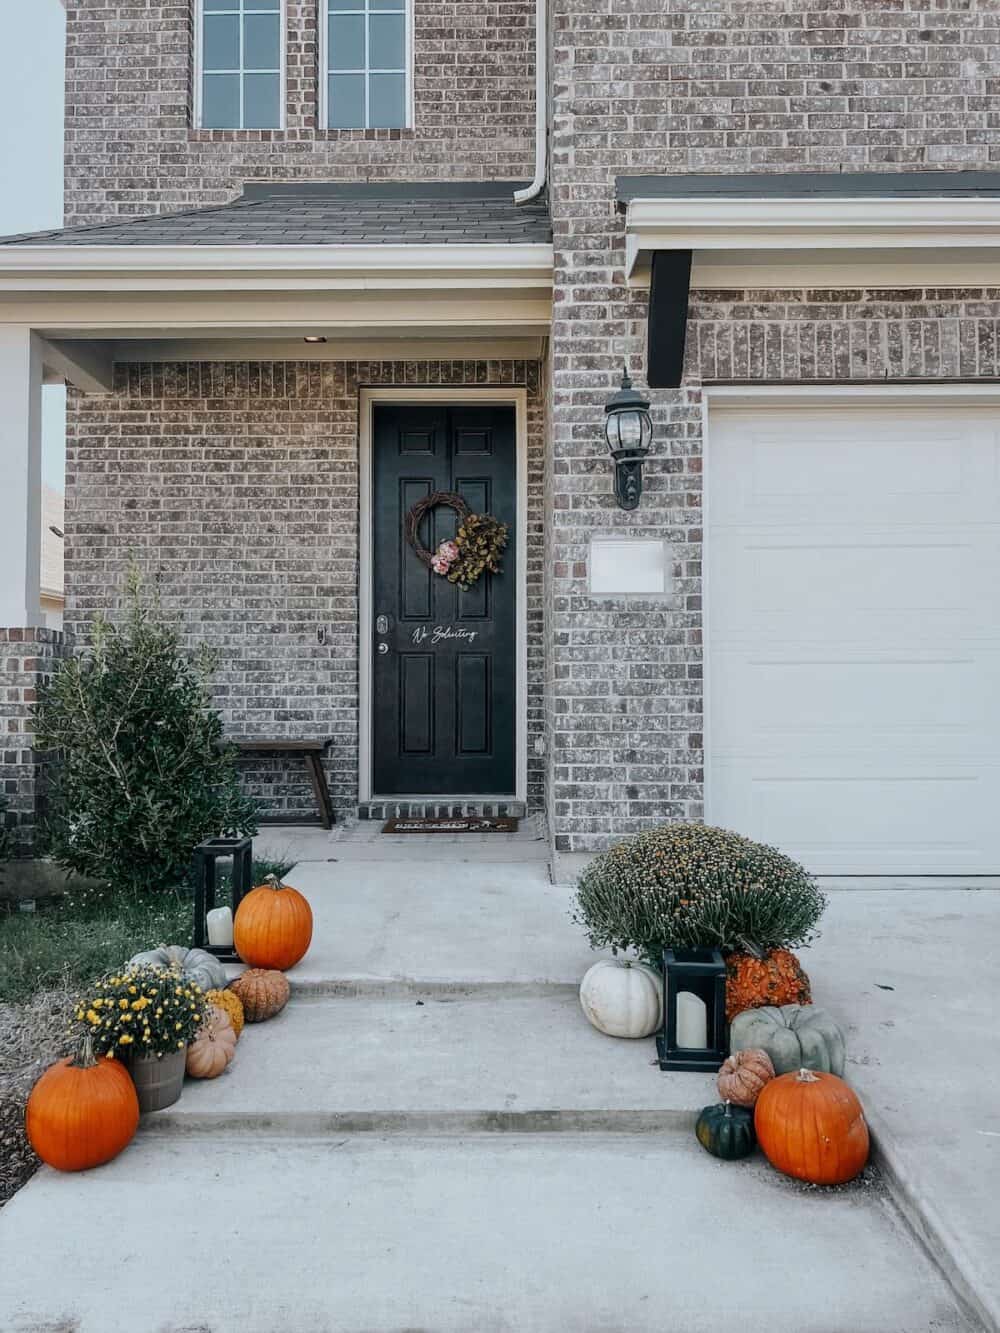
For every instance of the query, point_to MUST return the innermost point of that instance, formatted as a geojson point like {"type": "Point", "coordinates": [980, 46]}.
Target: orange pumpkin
{"type": "Point", "coordinates": [82, 1111]}
{"type": "Point", "coordinates": [273, 926]}
{"type": "Point", "coordinates": [775, 979]}
{"type": "Point", "coordinates": [810, 1125]}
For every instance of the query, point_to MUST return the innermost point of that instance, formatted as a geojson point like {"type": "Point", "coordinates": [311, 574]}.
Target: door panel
{"type": "Point", "coordinates": [444, 668]}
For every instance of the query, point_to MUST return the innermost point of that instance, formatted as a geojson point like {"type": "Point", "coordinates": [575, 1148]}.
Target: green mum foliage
{"type": "Point", "coordinates": [143, 774]}
{"type": "Point", "coordinates": [686, 886]}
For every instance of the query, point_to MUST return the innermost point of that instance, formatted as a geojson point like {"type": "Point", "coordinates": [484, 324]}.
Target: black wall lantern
{"type": "Point", "coordinates": [699, 972]}
{"type": "Point", "coordinates": [628, 431]}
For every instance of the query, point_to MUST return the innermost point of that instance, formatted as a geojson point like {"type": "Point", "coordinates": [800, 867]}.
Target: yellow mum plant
{"type": "Point", "coordinates": [150, 1010]}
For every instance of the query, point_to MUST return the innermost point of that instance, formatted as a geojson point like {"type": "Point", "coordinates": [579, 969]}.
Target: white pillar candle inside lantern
{"type": "Point", "coordinates": [220, 926]}
{"type": "Point", "coordinates": [692, 1020]}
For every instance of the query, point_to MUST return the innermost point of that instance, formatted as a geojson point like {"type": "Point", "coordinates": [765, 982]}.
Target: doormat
{"type": "Point", "coordinates": [464, 824]}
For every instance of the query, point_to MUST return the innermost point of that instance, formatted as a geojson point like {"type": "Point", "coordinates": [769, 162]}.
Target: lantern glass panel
{"type": "Point", "coordinates": [630, 429]}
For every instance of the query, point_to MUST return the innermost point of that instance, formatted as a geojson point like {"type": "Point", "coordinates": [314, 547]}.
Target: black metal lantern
{"type": "Point", "coordinates": [700, 972]}
{"type": "Point", "coordinates": [206, 855]}
{"type": "Point", "coordinates": [628, 430]}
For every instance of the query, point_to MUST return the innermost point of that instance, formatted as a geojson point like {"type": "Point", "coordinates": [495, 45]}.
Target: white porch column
{"type": "Point", "coordinates": [20, 476]}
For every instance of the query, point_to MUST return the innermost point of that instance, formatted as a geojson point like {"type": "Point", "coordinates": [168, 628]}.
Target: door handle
{"type": "Point", "coordinates": [383, 648]}
{"type": "Point", "coordinates": [382, 625]}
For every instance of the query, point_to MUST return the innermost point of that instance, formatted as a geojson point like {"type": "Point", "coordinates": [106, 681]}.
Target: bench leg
{"type": "Point", "coordinates": [321, 791]}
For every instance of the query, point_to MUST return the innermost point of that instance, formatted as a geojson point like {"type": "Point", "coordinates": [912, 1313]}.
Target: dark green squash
{"type": "Point", "coordinates": [726, 1131]}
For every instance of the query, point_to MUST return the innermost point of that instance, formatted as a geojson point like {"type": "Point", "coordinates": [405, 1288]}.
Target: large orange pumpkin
{"type": "Point", "coordinates": [273, 926]}
{"type": "Point", "coordinates": [775, 979]}
{"type": "Point", "coordinates": [810, 1125]}
{"type": "Point", "coordinates": [82, 1112]}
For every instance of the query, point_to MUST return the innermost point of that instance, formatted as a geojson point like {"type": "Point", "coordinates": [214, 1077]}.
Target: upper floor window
{"type": "Point", "coordinates": [240, 65]}
{"type": "Point", "coordinates": [367, 74]}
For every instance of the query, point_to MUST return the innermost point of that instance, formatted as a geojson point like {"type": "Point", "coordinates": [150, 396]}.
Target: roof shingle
{"type": "Point", "coordinates": [465, 213]}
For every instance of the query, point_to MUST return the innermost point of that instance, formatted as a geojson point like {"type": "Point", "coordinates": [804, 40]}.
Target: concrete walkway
{"type": "Point", "coordinates": [431, 1137]}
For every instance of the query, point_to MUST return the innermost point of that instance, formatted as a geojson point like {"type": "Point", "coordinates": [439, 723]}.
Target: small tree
{"type": "Point", "coordinates": [143, 775]}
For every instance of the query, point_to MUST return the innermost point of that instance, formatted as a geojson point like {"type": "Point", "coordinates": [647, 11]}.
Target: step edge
{"type": "Point", "coordinates": [414, 1124]}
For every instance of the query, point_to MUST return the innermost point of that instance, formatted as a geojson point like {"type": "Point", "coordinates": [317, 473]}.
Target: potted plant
{"type": "Point", "coordinates": [145, 1016]}
{"type": "Point", "coordinates": [691, 886]}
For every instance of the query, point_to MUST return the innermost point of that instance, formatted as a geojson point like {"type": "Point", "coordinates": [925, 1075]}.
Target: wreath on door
{"type": "Point", "coordinates": [476, 547]}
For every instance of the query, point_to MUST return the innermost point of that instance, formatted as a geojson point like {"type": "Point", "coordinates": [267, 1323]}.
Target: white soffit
{"type": "Point", "coordinates": [832, 241]}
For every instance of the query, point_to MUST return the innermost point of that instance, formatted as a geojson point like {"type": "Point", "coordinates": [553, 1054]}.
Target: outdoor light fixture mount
{"type": "Point", "coordinates": [628, 431]}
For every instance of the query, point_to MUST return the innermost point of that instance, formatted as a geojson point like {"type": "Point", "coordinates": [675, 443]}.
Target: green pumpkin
{"type": "Point", "coordinates": [204, 969]}
{"type": "Point", "coordinates": [726, 1131]}
{"type": "Point", "coordinates": [795, 1036]}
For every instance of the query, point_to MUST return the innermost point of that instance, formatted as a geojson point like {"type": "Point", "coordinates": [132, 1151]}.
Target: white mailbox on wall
{"type": "Point", "coordinates": [629, 567]}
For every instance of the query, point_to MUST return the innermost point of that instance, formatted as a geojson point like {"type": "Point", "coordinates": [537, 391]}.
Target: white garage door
{"type": "Point", "coordinates": [853, 634]}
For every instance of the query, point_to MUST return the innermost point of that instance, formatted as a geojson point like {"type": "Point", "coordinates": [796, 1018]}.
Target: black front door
{"type": "Point", "coordinates": [444, 661]}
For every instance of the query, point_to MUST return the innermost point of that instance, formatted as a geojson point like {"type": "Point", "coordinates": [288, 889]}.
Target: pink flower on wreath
{"type": "Point", "coordinates": [444, 557]}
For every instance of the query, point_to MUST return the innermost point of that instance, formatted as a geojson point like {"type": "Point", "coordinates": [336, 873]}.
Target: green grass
{"type": "Point", "coordinates": [76, 939]}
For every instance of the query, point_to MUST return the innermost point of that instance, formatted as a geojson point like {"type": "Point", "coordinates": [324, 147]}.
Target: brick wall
{"type": "Point", "coordinates": [720, 85]}
{"type": "Point", "coordinates": [130, 149]}
{"type": "Point", "coordinates": [236, 485]}
{"type": "Point", "coordinates": [26, 660]}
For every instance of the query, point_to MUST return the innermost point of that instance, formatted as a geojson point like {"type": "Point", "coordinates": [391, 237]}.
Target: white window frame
{"type": "Point", "coordinates": [324, 71]}
{"type": "Point", "coordinates": [199, 68]}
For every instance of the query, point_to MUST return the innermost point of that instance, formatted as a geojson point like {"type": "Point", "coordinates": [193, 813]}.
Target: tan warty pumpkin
{"type": "Point", "coordinates": [213, 1047]}
{"type": "Point", "coordinates": [273, 926]}
{"type": "Point", "coordinates": [743, 1076]}
{"type": "Point", "coordinates": [262, 994]}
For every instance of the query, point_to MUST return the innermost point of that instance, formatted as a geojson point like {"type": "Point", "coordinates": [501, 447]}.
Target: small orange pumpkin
{"type": "Point", "coordinates": [273, 926]}
{"type": "Point", "coordinates": [810, 1125]}
{"type": "Point", "coordinates": [82, 1111]}
{"type": "Point", "coordinates": [743, 1077]}
{"type": "Point", "coordinates": [209, 1054]}
{"type": "Point", "coordinates": [775, 979]}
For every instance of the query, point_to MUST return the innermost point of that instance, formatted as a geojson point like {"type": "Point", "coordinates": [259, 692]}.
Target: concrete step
{"type": "Point", "coordinates": [497, 1234]}
{"type": "Point", "coordinates": [423, 1060]}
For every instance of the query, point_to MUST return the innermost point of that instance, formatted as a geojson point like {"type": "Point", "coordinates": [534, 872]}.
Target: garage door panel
{"type": "Point", "coordinates": [909, 465]}
{"type": "Point", "coordinates": [851, 705]}
{"type": "Point", "coordinates": [883, 821]}
{"type": "Point", "coordinates": [800, 581]}
{"type": "Point", "coordinates": [853, 635]}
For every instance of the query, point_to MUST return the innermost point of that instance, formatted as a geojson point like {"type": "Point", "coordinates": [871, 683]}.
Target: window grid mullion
{"type": "Point", "coordinates": [368, 66]}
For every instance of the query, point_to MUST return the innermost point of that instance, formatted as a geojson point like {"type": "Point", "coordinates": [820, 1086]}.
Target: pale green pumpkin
{"type": "Point", "coordinates": [795, 1036]}
{"type": "Point", "coordinates": [195, 964]}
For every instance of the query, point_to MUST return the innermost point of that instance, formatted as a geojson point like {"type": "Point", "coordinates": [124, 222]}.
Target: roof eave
{"type": "Point", "coordinates": [763, 223]}
{"type": "Point", "coordinates": [228, 264]}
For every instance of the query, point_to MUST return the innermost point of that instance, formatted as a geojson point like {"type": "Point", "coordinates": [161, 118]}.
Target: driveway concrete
{"type": "Point", "coordinates": [912, 975]}
{"type": "Point", "coordinates": [492, 1234]}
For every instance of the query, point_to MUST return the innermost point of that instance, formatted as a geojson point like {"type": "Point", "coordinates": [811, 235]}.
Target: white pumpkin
{"type": "Point", "coordinates": [623, 998]}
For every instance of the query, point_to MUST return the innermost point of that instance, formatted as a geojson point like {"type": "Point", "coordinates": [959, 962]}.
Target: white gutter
{"type": "Point", "coordinates": [537, 185]}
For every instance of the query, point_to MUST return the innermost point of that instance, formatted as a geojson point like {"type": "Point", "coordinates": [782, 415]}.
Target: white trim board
{"type": "Point", "coordinates": [895, 240]}
{"type": "Point", "coordinates": [484, 396]}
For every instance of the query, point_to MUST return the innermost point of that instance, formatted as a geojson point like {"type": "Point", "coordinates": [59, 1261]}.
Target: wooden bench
{"type": "Point", "coordinates": [310, 752]}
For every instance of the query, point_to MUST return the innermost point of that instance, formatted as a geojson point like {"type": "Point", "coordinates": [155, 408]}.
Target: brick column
{"type": "Point", "coordinates": [26, 660]}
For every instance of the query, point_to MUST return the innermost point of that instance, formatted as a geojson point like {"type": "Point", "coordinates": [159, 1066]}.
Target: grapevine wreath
{"type": "Point", "coordinates": [477, 545]}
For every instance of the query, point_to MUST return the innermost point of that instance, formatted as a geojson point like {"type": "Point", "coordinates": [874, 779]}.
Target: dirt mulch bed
{"type": "Point", "coordinates": [32, 1036]}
